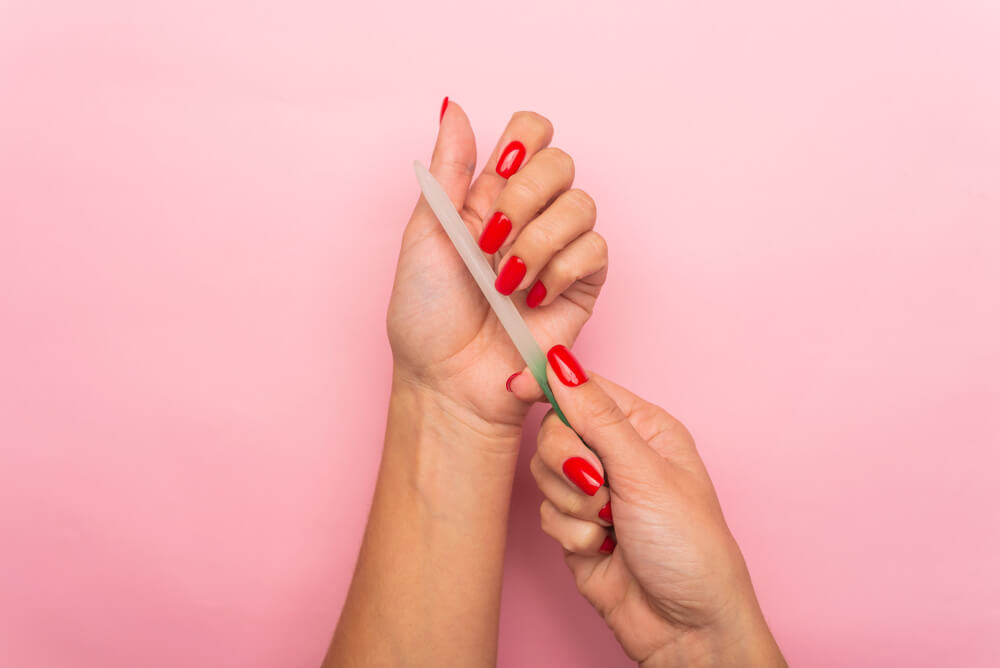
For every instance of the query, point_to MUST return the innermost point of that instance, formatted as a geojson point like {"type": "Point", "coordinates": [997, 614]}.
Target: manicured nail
{"type": "Point", "coordinates": [511, 380]}
{"type": "Point", "coordinates": [566, 367]}
{"type": "Point", "coordinates": [510, 159]}
{"type": "Point", "coordinates": [496, 230]}
{"type": "Point", "coordinates": [510, 275]}
{"type": "Point", "coordinates": [536, 294]}
{"type": "Point", "coordinates": [608, 546]}
{"type": "Point", "coordinates": [583, 475]}
{"type": "Point", "coordinates": [444, 106]}
{"type": "Point", "coordinates": [605, 512]}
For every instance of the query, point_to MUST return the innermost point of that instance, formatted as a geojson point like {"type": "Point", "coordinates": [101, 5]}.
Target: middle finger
{"type": "Point", "coordinates": [548, 173]}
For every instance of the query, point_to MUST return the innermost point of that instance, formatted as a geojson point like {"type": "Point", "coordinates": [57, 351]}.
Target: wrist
{"type": "Point", "coordinates": [459, 422]}
{"type": "Point", "coordinates": [445, 446]}
{"type": "Point", "coordinates": [742, 639]}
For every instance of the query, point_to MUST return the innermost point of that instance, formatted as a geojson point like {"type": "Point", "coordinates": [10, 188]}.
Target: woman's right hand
{"type": "Point", "coordinates": [675, 588]}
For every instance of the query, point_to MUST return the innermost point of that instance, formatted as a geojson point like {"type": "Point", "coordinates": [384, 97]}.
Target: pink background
{"type": "Point", "coordinates": [200, 209]}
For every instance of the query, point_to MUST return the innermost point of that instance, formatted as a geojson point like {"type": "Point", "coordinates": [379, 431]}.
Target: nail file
{"type": "Point", "coordinates": [482, 272]}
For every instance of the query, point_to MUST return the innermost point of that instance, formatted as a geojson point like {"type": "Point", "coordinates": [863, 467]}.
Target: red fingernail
{"type": "Point", "coordinates": [566, 367]}
{"type": "Point", "coordinates": [536, 294]}
{"type": "Point", "coordinates": [510, 276]}
{"type": "Point", "coordinates": [494, 233]}
{"type": "Point", "coordinates": [510, 159]}
{"type": "Point", "coordinates": [511, 380]}
{"type": "Point", "coordinates": [605, 512]}
{"type": "Point", "coordinates": [583, 475]}
{"type": "Point", "coordinates": [608, 546]}
{"type": "Point", "coordinates": [444, 105]}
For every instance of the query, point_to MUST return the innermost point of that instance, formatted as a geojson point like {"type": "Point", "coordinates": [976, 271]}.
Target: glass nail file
{"type": "Point", "coordinates": [474, 259]}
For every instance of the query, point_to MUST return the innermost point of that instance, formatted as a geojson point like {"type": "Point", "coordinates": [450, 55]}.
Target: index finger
{"type": "Point", "coordinates": [594, 414]}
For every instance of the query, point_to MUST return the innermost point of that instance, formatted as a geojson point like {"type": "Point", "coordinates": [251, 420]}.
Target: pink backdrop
{"type": "Point", "coordinates": [200, 208]}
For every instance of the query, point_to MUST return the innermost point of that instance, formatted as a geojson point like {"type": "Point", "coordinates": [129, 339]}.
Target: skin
{"type": "Point", "coordinates": [675, 591]}
{"type": "Point", "coordinates": [443, 334]}
{"type": "Point", "coordinates": [426, 589]}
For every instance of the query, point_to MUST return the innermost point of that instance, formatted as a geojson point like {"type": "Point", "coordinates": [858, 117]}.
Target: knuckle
{"type": "Point", "coordinates": [585, 537]}
{"type": "Point", "coordinates": [535, 466]}
{"type": "Point", "coordinates": [575, 505]}
{"type": "Point", "coordinates": [542, 473]}
{"type": "Point", "coordinates": [664, 427]}
{"type": "Point", "coordinates": [560, 159]}
{"type": "Point", "coordinates": [605, 414]}
{"type": "Point", "coordinates": [533, 120]}
{"type": "Point", "coordinates": [458, 165]}
{"type": "Point", "coordinates": [523, 115]}
{"type": "Point", "coordinates": [523, 187]}
{"type": "Point", "coordinates": [547, 430]}
{"type": "Point", "coordinates": [544, 431]}
{"type": "Point", "coordinates": [547, 514]}
{"type": "Point", "coordinates": [548, 455]}
{"type": "Point", "coordinates": [542, 234]}
{"type": "Point", "coordinates": [562, 267]}
{"type": "Point", "coordinates": [582, 201]}
{"type": "Point", "coordinates": [599, 244]}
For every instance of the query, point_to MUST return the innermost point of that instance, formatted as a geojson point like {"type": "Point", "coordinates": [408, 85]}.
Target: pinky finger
{"type": "Point", "coordinates": [585, 259]}
{"type": "Point", "coordinates": [575, 535]}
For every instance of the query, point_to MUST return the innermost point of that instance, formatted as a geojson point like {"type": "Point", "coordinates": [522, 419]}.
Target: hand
{"type": "Point", "coordinates": [674, 588]}
{"type": "Point", "coordinates": [444, 336]}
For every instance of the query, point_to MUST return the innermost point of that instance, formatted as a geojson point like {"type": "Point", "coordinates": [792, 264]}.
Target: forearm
{"type": "Point", "coordinates": [426, 590]}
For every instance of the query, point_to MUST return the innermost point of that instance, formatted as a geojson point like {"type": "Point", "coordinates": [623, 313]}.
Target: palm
{"type": "Point", "coordinates": [672, 571]}
{"type": "Point", "coordinates": [441, 326]}
{"type": "Point", "coordinates": [652, 589]}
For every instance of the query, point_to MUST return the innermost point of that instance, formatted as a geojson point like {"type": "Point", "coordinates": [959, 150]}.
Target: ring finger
{"type": "Point", "coordinates": [549, 173]}
{"type": "Point", "coordinates": [545, 239]}
{"type": "Point", "coordinates": [575, 535]}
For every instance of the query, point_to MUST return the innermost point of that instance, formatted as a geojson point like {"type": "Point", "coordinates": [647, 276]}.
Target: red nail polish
{"type": "Point", "coordinates": [511, 380]}
{"type": "Point", "coordinates": [536, 294]}
{"type": "Point", "coordinates": [608, 546]}
{"type": "Point", "coordinates": [566, 367]}
{"type": "Point", "coordinates": [510, 159]}
{"type": "Point", "coordinates": [510, 275]}
{"type": "Point", "coordinates": [444, 106]}
{"type": "Point", "coordinates": [496, 230]}
{"type": "Point", "coordinates": [605, 512]}
{"type": "Point", "coordinates": [583, 475]}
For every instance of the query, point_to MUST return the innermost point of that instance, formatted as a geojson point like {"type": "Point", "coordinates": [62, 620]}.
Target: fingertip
{"type": "Point", "coordinates": [524, 386]}
{"type": "Point", "coordinates": [536, 295]}
{"type": "Point", "coordinates": [451, 111]}
{"type": "Point", "coordinates": [566, 367]}
{"type": "Point", "coordinates": [444, 108]}
{"type": "Point", "coordinates": [584, 474]}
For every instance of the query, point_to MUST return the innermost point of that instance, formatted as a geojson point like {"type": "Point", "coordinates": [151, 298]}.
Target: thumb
{"type": "Point", "coordinates": [598, 419]}
{"type": "Point", "coordinates": [454, 160]}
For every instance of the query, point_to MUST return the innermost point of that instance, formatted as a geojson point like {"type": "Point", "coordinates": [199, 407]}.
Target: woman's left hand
{"type": "Point", "coordinates": [538, 232]}
{"type": "Point", "coordinates": [674, 587]}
